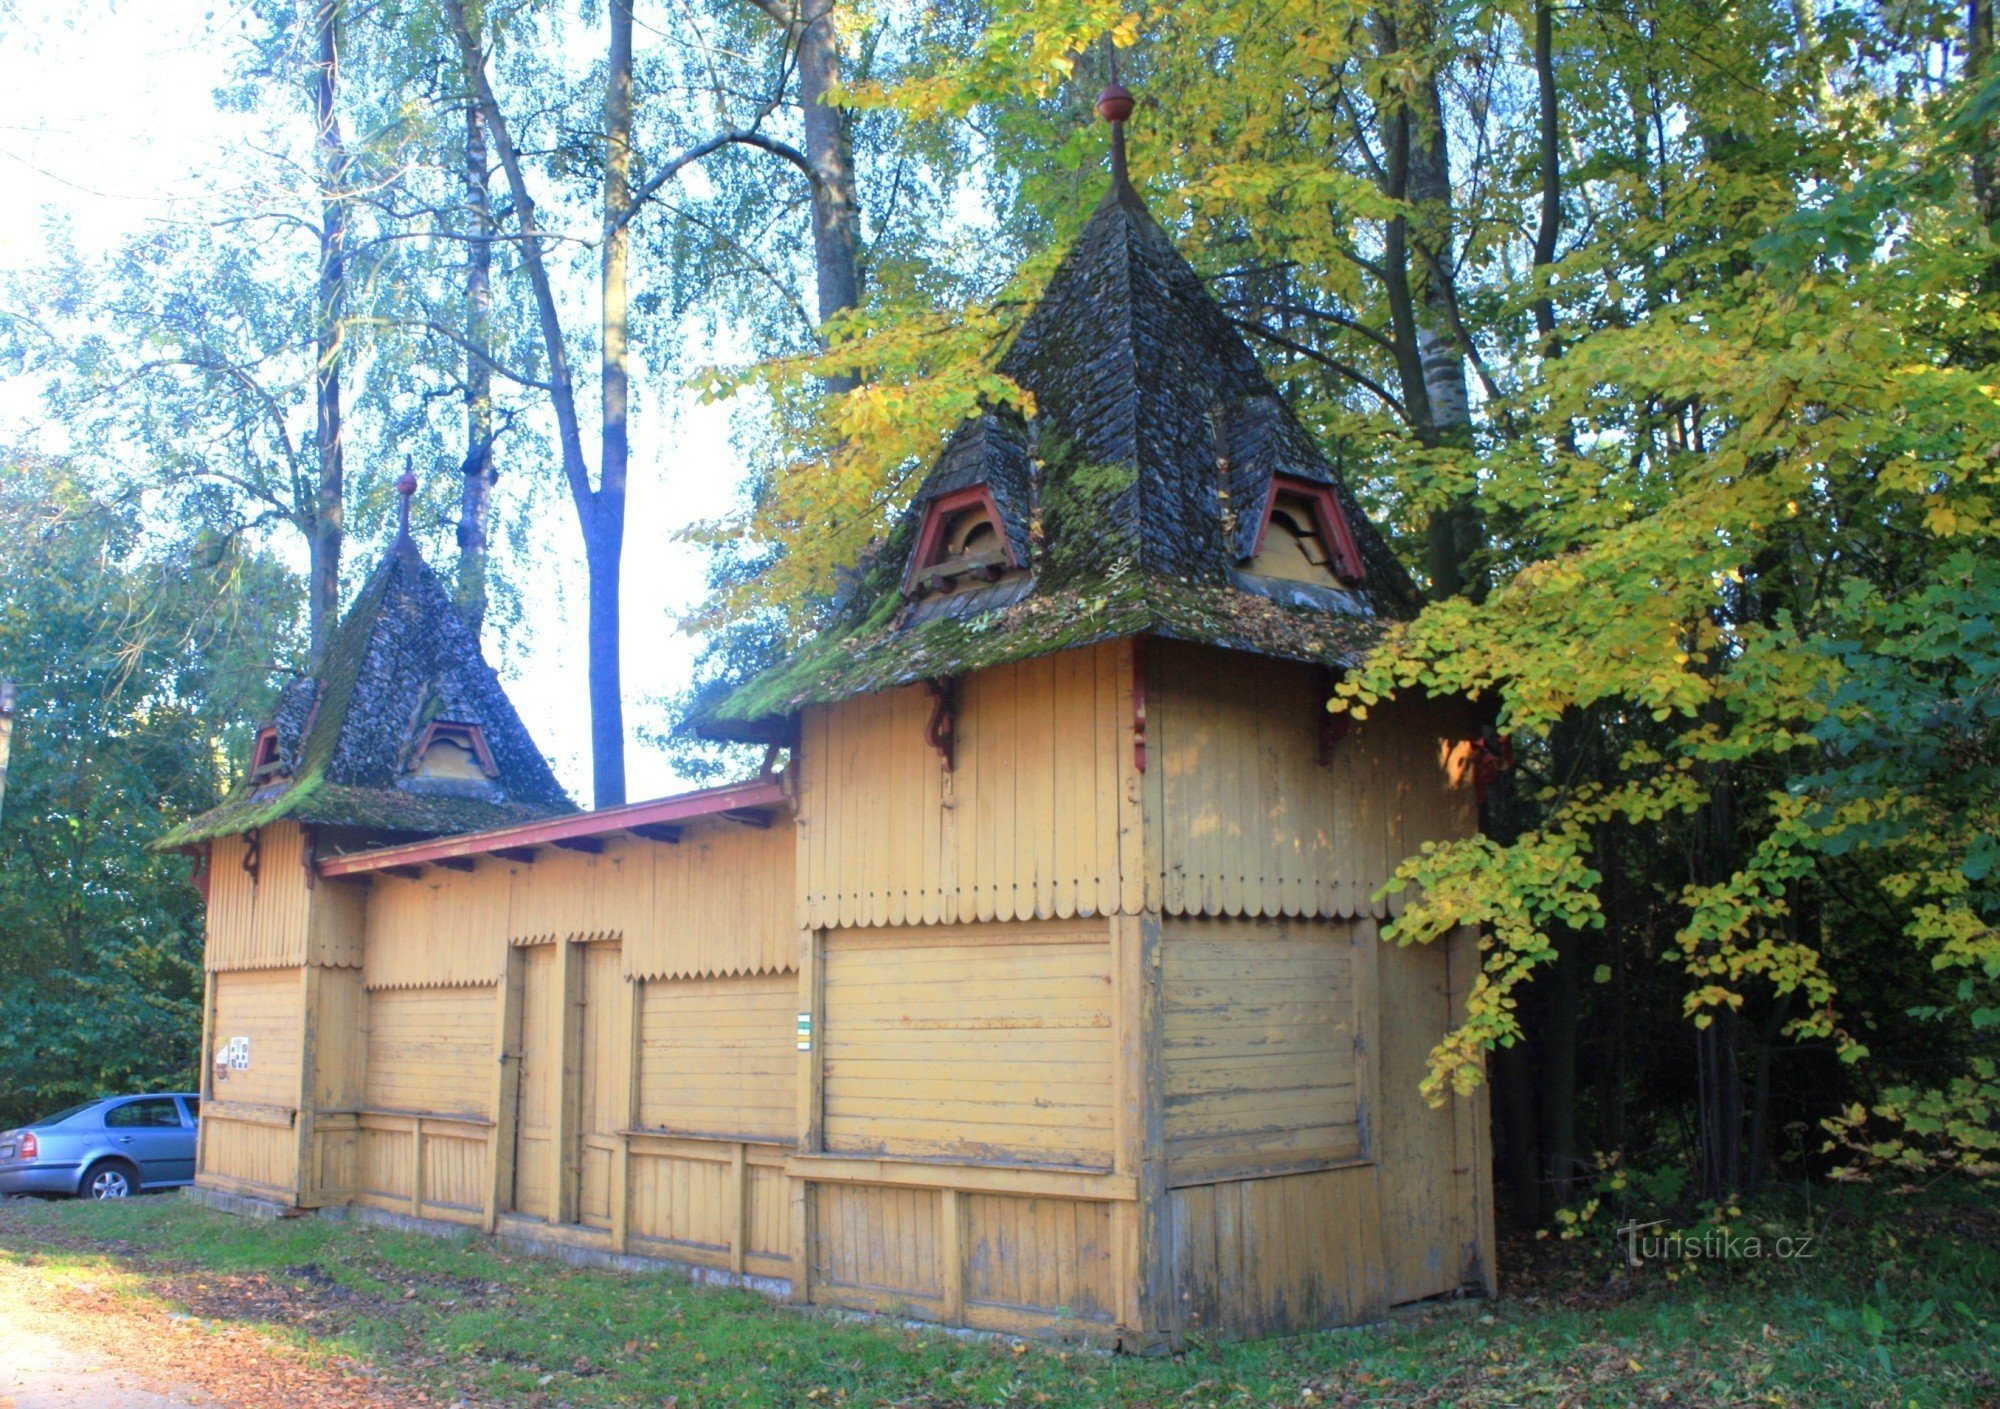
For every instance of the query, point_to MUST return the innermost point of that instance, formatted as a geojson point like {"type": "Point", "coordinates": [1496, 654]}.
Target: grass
{"type": "Point", "coordinates": [1899, 1306]}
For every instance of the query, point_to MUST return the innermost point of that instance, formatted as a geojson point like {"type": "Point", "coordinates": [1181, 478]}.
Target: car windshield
{"type": "Point", "coordinates": [60, 1116]}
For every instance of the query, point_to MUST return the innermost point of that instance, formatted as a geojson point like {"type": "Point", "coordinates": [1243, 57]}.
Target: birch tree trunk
{"type": "Point", "coordinates": [328, 519]}
{"type": "Point", "coordinates": [476, 488]}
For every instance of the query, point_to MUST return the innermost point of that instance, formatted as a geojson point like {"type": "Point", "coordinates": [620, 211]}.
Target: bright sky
{"type": "Point", "coordinates": [121, 106]}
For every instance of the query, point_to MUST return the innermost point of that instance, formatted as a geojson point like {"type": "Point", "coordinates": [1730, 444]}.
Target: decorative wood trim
{"type": "Point", "coordinates": [937, 512]}
{"type": "Point", "coordinates": [681, 807]}
{"type": "Point", "coordinates": [1332, 520]}
{"type": "Point", "coordinates": [941, 731]}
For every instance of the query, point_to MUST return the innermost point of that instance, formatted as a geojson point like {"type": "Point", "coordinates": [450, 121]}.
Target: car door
{"type": "Point", "coordinates": [149, 1131]}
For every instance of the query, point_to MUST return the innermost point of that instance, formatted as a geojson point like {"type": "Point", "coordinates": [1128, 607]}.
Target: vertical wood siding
{"type": "Point", "coordinates": [600, 1101]}
{"type": "Point", "coordinates": [430, 1050]}
{"type": "Point", "coordinates": [1416, 1144]}
{"type": "Point", "coordinates": [1048, 1257]}
{"type": "Point", "coordinates": [717, 1057]}
{"type": "Point", "coordinates": [258, 924]}
{"type": "Point", "coordinates": [241, 1153]}
{"type": "Point", "coordinates": [722, 903]}
{"type": "Point", "coordinates": [1249, 822]}
{"type": "Point", "coordinates": [442, 928]}
{"type": "Point", "coordinates": [985, 1042]}
{"type": "Point", "coordinates": [877, 1247]}
{"type": "Point", "coordinates": [1034, 821]}
{"type": "Point", "coordinates": [1259, 1046]}
{"type": "Point", "coordinates": [1261, 1257]}
{"type": "Point", "coordinates": [538, 1090]}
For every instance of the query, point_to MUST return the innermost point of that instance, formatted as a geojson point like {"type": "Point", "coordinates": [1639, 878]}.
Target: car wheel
{"type": "Point", "coordinates": [114, 1179]}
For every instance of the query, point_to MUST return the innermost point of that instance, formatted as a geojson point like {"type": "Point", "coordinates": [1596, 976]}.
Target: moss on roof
{"type": "Point", "coordinates": [401, 658]}
{"type": "Point", "coordinates": [1156, 440]}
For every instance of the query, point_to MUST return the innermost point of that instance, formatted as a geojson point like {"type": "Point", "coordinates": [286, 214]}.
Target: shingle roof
{"type": "Point", "coordinates": [401, 658]}
{"type": "Point", "coordinates": [1149, 404]}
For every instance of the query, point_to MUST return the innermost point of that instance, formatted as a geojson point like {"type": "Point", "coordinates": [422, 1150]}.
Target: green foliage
{"type": "Point", "coordinates": [139, 651]}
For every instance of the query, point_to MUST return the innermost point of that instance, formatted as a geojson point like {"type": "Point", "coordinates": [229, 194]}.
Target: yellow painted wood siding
{"type": "Point", "coordinates": [1422, 1195]}
{"type": "Point", "coordinates": [718, 1057]}
{"type": "Point", "coordinates": [979, 1042]}
{"type": "Point", "coordinates": [260, 923]}
{"type": "Point", "coordinates": [874, 1247]}
{"type": "Point", "coordinates": [1249, 822]}
{"type": "Point", "coordinates": [1258, 1046]}
{"type": "Point", "coordinates": [723, 903]}
{"type": "Point", "coordinates": [1051, 1257]}
{"type": "Point", "coordinates": [1261, 1257]}
{"type": "Point", "coordinates": [441, 928]}
{"type": "Point", "coordinates": [1037, 819]}
{"type": "Point", "coordinates": [248, 1155]}
{"type": "Point", "coordinates": [264, 1007]}
{"type": "Point", "coordinates": [538, 1092]}
{"type": "Point", "coordinates": [430, 1050]}
{"type": "Point", "coordinates": [601, 1102]}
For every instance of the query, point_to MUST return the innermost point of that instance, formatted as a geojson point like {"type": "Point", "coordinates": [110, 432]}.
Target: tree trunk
{"type": "Point", "coordinates": [836, 210]}
{"type": "Point", "coordinates": [604, 537]}
{"type": "Point", "coordinates": [323, 589]}
{"type": "Point", "coordinates": [600, 512]}
{"type": "Point", "coordinates": [476, 487]}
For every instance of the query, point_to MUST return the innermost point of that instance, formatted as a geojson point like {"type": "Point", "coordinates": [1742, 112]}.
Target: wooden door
{"type": "Point", "coordinates": [600, 1108]}
{"type": "Point", "coordinates": [538, 1093]}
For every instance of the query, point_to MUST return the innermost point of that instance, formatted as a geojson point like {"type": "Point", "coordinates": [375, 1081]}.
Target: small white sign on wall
{"type": "Point", "coordinates": [233, 1055]}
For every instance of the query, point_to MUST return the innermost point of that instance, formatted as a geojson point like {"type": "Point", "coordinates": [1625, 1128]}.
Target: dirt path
{"type": "Point", "coordinates": [67, 1344]}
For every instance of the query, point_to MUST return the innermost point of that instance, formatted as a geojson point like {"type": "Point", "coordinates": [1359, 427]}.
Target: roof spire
{"type": "Point", "coordinates": [406, 485]}
{"type": "Point", "coordinates": [1114, 105]}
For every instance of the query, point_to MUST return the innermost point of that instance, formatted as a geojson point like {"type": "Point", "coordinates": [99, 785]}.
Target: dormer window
{"type": "Point", "coordinates": [265, 761]}
{"type": "Point", "coordinates": [1305, 537]}
{"type": "Point", "coordinates": [454, 753]}
{"type": "Point", "coordinates": [962, 543]}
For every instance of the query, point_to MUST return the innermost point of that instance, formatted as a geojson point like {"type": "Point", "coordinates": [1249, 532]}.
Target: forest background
{"type": "Point", "coordinates": [1664, 337]}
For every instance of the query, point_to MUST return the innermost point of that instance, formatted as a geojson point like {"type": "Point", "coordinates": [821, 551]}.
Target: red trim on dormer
{"type": "Point", "coordinates": [1333, 529]}
{"type": "Point", "coordinates": [937, 512]}
{"type": "Point", "coordinates": [265, 761]}
{"type": "Point", "coordinates": [470, 734]}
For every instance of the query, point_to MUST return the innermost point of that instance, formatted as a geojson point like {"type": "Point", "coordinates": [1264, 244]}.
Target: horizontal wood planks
{"type": "Point", "coordinates": [1246, 818]}
{"type": "Point", "coordinates": [1031, 821]}
{"type": "Point", "coordinates": [258, 921]}
{"type": "Point", "coordinates": [717, 1056]}
{"type": "Point", "coordinates": [985, 1043]}
{"type": "Point", "coordinates": [1258, 1046]}
{"type": "Point", "coordinates": [430, 1050]}
{"type": "Point", "coordinates": [264, 1008]}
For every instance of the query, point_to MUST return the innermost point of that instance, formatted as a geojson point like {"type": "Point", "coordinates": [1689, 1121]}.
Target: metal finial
{"type": "Point", "coordinates": [1115, 105]}
{"type": "Point", "coordinates": [406, 485]}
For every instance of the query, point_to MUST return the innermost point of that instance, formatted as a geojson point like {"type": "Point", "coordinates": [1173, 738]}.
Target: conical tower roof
{"type": "Point", "coordinates": [401, 664]}
{"type": "Point", "coordinates": [1132, 504]}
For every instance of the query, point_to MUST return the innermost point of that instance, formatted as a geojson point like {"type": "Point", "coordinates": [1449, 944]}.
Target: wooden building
{"type": "Point", "coordinates": [1040, 991]}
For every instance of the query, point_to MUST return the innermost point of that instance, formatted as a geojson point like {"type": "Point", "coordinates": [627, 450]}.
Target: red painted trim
{"type": "Point", "coordinates": [264, 760]}
{"type": "Point", "coordinates": [942, 508]}
{"type": "Point", "coordinates": [1347, 564]}
{"type": "Point", "coordinates": [682, 807]}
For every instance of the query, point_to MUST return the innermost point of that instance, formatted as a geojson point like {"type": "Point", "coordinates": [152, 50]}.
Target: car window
{"type": "Point", "coordinates": [193, 1104]}
{"type": "Point", "coordinates": [159, 1111]}
{"type": "Point", "coordinates": [62, 1115]}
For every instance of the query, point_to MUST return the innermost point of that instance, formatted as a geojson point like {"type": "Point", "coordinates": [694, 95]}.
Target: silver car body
{"type": "Point", "coordinates": [105, 1149]}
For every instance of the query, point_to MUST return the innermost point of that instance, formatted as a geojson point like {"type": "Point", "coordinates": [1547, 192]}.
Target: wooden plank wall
{"type": "Point", "coordinates": [424, 1113]}
{"type": "Point", "coordinates": [1260, 1066]}
{"type": "Point", "coordinates": [974, 1042]}
{"type": "Point", "coordinates": [441, 928]}
{"type": "Point", "coordinates": [723, 904]}
{"type": "Point", "coordinates": [716, 1057]}
{"type": "Point", "coordinates": [260, 923]}
{"type": "Point", "coordinates": [249, 1117]}
{"type": "Point", "coordinates": [1034, 820]}
{"type": "Point", "coordinates": [1244, 818]}
{"type": "Point", "coordinates": [1261, 1257]}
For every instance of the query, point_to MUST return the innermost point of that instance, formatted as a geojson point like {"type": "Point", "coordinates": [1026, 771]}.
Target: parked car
{"type": "Point", "coordinates": [104, 1149]}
